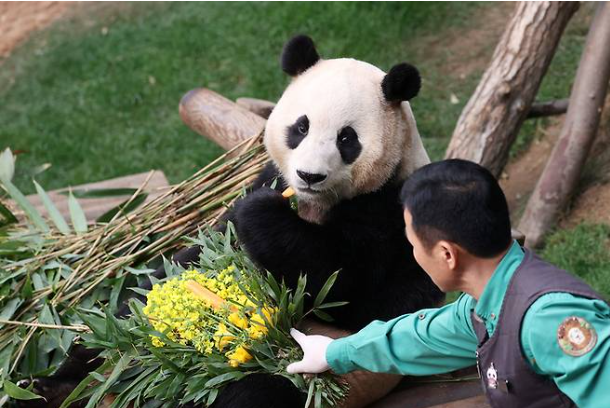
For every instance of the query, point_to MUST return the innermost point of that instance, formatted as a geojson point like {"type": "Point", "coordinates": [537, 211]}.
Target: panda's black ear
{"type": "Point", "coordinates": [298, 55]}
{"type": "Point", "coordinates": [402, 83]}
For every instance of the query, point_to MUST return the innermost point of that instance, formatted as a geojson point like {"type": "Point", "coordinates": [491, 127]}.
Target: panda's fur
{"type": "Point", "coordinates": [350, 217]}
{"type": "Point", "coordinates": [353, 220]}
{"type": "Point", "coordinates": [349, 214]}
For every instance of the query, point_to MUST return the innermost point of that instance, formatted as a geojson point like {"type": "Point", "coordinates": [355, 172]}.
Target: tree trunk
{"type": "Point", "coordinates": [563, 169]}
{"type": "Point", "coordinates": [219, 119]}
{"type": "Point", "coordinates": [261, 107]}
{"type": "Point", "coordinates": [492, 118]}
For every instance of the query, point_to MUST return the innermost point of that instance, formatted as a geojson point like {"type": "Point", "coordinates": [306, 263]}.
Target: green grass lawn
{"type": "Point", "coordinates": [97, 106]}
{"type": "Point", "coordinates": [585, 251]}
{"type": "Point", "coordinates": [96, 96]}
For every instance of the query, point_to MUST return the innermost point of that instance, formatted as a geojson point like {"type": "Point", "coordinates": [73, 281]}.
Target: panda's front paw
{"type": "Point", "coordinates": [261, 217]}
{"type": "Point", "coordinates": [264, 202]}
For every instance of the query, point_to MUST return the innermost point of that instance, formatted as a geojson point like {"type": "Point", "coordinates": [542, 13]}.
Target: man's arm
{"type": "Point", "coordinates": [576, 357]}
{"type": "Point", "coordinates": [431, 341]}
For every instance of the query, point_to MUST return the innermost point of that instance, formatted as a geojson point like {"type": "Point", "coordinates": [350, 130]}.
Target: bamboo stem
{"type": "Point", "coordinates": [46, 326]}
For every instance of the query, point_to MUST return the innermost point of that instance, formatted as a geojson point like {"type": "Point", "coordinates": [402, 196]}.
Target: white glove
{"type": "Point", "coordinates": [314, 353]}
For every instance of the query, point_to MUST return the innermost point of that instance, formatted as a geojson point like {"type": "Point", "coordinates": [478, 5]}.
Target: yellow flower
{"type": "Point", "coordinates": [237, 320]}
{"type": "Point", "coordinates": [222, 336]}
{"type": "Point", "coordinates": [191, 320]}
{"type": "Point", "coordinates": [259, 320]}
{"type": "Point", "coordinates": [257, 332]}
{"type": "Point", "coordinates": [239, 356]}
{"type": "Point", "coordinates": [157, 342]}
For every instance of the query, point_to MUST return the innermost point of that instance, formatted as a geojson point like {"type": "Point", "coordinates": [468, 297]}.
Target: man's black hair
{"type": "Point", "coordinates": [461, 202]}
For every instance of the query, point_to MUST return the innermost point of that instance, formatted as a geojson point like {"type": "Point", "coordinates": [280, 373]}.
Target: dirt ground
{"type": "Point", "coordinates": [19, 19]}
{"type": "Point", "coordinates": [592, 204]}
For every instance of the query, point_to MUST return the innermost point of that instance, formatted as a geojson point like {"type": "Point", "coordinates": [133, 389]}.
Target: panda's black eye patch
{"type": "Point", "coordinates": [348, 144]}
{"type": "Point", "coordinates": [297, 132]}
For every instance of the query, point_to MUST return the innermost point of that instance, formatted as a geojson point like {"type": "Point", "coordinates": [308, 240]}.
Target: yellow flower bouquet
{"type": "Point", "coordinates": [202, 328]}
{"type": "Point", "coordinates": [213, 314]}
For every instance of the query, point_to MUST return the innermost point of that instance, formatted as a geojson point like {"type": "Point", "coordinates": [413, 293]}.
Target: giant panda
{"type": "Point", "coordinates": [343, 136]}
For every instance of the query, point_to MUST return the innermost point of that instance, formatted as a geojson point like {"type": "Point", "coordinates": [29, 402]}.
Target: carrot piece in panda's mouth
{"type": "Point", "coordinates": [289, 192]}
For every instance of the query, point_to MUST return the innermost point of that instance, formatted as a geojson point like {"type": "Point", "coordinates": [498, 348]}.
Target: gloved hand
{"type": "Point", "coordinates": [314, 350]}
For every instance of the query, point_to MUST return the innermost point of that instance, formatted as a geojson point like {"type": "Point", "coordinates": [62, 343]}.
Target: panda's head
{"type": "Point", "coordinates": [343, 127]}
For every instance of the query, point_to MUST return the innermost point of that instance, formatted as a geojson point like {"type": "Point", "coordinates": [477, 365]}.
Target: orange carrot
{"type": "Point", "coordinates": [216, 301]}
{"type": "Point", "coordinates": [289, 192]}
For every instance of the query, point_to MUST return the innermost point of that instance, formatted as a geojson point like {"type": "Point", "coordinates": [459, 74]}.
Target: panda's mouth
{"type": "Point", "coordinates": [309, 190]}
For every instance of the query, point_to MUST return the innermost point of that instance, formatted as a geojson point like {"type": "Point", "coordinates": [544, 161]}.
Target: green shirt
{"type": "Point", "coordinates": [434, 341]}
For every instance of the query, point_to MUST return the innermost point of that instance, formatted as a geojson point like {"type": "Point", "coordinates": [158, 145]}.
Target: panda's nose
{"type": "Point", "coordinates": [311, 178]}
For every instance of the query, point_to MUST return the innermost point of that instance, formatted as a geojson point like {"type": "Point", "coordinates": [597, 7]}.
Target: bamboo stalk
{"type": "Point", "coordinates": [105, 249]}
{"type": "Point", "coordinates": [46, 326]}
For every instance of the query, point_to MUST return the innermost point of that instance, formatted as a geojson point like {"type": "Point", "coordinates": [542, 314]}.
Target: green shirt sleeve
{"type": "Point", "coordinates": [586, 378]}
{"type": "Point", "coordinates": [431, 341]}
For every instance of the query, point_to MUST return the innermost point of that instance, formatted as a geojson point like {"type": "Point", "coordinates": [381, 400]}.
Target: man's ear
{"type": "Point", "coordinates": [299, 55]}
{"type": "Point", "coordinates": [448, 253]}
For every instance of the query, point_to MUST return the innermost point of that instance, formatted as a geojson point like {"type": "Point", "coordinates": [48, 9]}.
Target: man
{"type": "Point", "coordinates": [540, 336]}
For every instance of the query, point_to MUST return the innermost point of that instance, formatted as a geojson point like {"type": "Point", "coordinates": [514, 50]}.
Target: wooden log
{"type": "Point", "coordinates": [219, 119]}
{"type": "Point", "coordinates": [494, 114]}
{"type": "Point", "coordinates": [548, 108]}
{"type": "Point", "coordinates": [261, 107]}
{"type": "Point", "coordinates": [457, 388]}
{"type": "Point", "coordinates": [562, 172]}
{"type": "Point", "coordinates": [95, 207]}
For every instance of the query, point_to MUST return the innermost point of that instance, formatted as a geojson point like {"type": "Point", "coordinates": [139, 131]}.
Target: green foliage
{"type": "Point", "coordinates": [584, 251]}
{"type": "Point", "coordinates": [13, 391]}
{"type": "Point", "coordinates": [176, 373]}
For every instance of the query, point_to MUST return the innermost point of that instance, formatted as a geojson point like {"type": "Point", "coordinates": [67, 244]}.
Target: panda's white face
{"type": "Point", "coordinates": [333, 135]}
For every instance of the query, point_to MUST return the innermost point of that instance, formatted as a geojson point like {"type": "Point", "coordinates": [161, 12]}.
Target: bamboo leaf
{"type": "Point", "coordinates": [75, 394]}
{"type": "Point", "coordinates": [323, 315]}
{"type": "Point", "coordinates": [18, 393]}
{"type": "Point", "coordinates": [139, 271]}
{"type": "Point", "coordinates": [102, 192]}
{"type": "Point", "coordinates": [325, 289]}
{"type": "Point", "coordinates": [54, 213]}
{"type": "Point", "coordinates": [7, 164]}
{"type": "Point", "coordinates": [9, 217]}
{"type": "Point", "coordinates": [230, 376]}
{"type": "Point", "coordinates": [79, 221]}
{"type": "Point", "coordinates": [25, 205]}
{"type": "Point", "coordinates": [310, 393]}
{"type": "Point", "coordinates": [9, 309]}
{"type": "Point", "coordinates": [332, 304]}
{"type": "Point", "coordinates": [5, 357]}
{"type": "Point", "coordinates": [318, 399]}
{"type": "Point", "coordinates": [212, 396]}
{"type": "Point", "coordinates": [125, 207]}
{"type": "Point", "coordinates": [120, 366]}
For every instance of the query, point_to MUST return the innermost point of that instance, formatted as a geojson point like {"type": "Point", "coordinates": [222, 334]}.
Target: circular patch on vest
{"type": "Point", "coordinates": [576, 336]}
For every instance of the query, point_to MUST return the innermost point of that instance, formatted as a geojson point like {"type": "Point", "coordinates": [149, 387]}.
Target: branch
{"type": "Point", "coordinates": [549, 108]}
